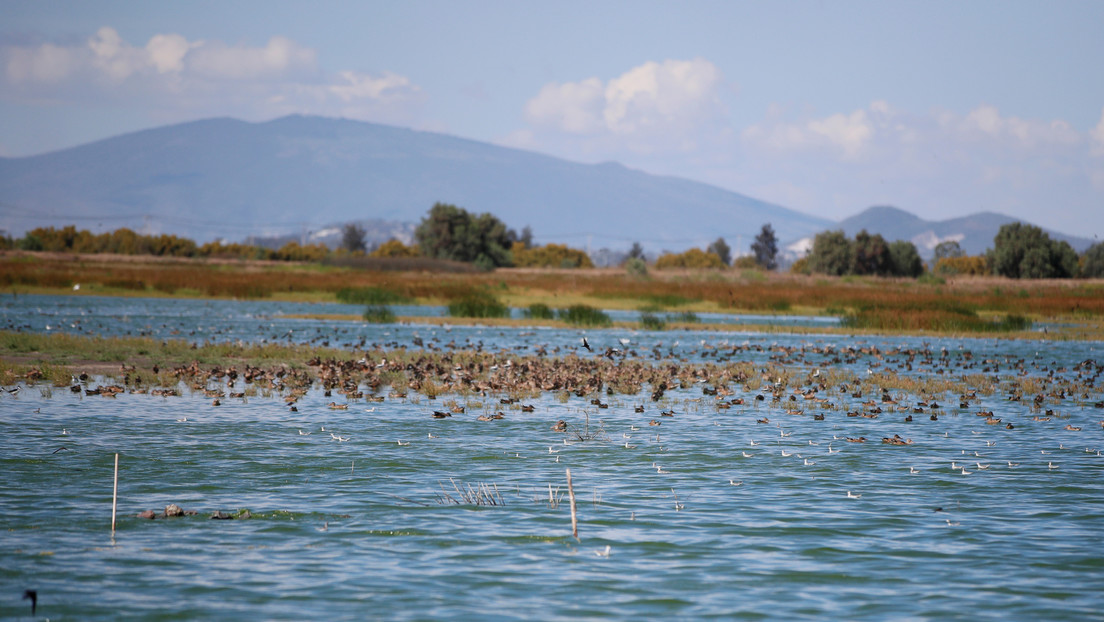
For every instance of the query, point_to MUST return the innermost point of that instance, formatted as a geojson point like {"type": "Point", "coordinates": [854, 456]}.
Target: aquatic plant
{"type": "Point", "coordinates": [372, 295]}
{"type": "Point", "coordinates": [379, 314]}
{"type": "Point", "coordinates": [540, 311]}
{"type": "Point", "coordinates": [478, 303]}
{"type": "Point", "coordinates": [652, 322]}
{"type": "Point", "coordinates": [584, 315]}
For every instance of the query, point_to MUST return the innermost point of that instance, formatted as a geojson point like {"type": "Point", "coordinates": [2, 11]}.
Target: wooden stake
{"type": "Point", "coordinates": [115, 495]}
{"type": "Point", "coordinates": [571, 494]}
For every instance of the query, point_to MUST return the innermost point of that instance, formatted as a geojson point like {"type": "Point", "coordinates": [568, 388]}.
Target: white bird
{"type": "Point", "coordinates": [809, 462]}
{"type": "Point", "coordinates": [965, 472]}
{"type": "Point", "coordinates": [785, 455]}
{"type": "Point", "coordinates": [605, 553]}
{"type": "Point", "coordinates": [430, 435]}
{"type": "Point", "coordinates": [813, 443]}
{"type": "Point", "coordinates": [302, 433]}
{"type": "Point", "coordinates": [913, 471]}
{"type": "Point", "coordinates": [833, 451]}
{"type": "Point", "coordinates": [1051, 465]}
{"type": "Point", "coordinates": [785, 434]}
{"type": "Point", "coordinates": [628, 446]}
{"type": "Point", "coordinates": [65, 432]}
{"type": "Point", "coordinates": [746, 454]}
{"type": "Point", "coordinates": [553, 451]}
{"type": "Point", "coordinates": [402, 444]}
{"type": "Point", "coordinates": [736, 483]}
{"type": "Point", "coordinates": [1013, 464]}
{"type": "Point", "coordinates": [981, 466]}
{"type": "Point", "coordinates": [370, 410]}
{"type": "Point", "coordinates": [952, 524]}
{"type": "Point", "coordinates": [853, 496]}
{"type": "Point", "coordinates": [182, 419]}
{"type": "Point", "coordinates": [754, 444]}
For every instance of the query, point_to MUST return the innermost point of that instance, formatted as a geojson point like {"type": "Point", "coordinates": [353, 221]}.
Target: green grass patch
{"type": "Point", "coordinates": [652, 322]}
{"type": "Point", "coordinates": [584, 315]}
{"type": "Point", "coordinates": [371, 296]}
{"type": "Point", "coordinates": [379, 314]}
{"type": "Point", "coordinates": [686, 317]}
{"type": "Point", "coordinates": [478, 303]}
{"type": "Point", "coordinates": [669, 300]}
{"type": "Point", "coordinates": [540, 311]}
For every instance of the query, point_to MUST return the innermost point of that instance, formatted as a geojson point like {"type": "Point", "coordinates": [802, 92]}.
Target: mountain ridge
{"type": "Point", "coordinates": [225, 178]}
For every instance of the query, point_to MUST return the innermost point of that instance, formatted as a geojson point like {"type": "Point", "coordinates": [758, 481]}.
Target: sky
{"type": "Point", "coordinates": [940, 108]}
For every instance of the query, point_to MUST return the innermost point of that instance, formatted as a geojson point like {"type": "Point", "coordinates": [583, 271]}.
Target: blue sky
{"type": "Point", "coordinates": [940, 108]}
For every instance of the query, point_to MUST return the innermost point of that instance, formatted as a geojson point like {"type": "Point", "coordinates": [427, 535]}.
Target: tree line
{"type": "Point", "coordinates": [452, 233]}
{"type": "Point", "coordinates": [1019, 251]}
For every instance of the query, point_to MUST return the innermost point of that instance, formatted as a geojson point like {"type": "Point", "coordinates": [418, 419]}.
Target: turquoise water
{"type": "Point", "coordinates": [361, 528]}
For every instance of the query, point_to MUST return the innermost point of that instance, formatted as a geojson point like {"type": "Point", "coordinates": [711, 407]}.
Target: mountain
{"type": "Point", "coordinates": [974, 233]}
{"type": "Point", "coordinates": [230, 179]}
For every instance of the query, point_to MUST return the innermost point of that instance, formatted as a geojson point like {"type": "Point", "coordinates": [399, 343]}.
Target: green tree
{"type": "Point", "coordinates": [450, 232]}
{"type": "Point", "coordinates": [765, 248]}
{"type": "Point", "coordinates": [1092, 262]}
{"type": "Point", "coordinates": [352, 238]}
{"type": "Point", "coordinates": [720, 248]}
{"type": "Point", "coordinates": [831, 253]}
{"type": "Point", "coordinates": [948, 248]}
{"type": "Point", "coordinates": [870, 254]}
{"type": "Point", "coordinates": [904, 259]}
{"type": "Point", "coordinates": [1026, 251]}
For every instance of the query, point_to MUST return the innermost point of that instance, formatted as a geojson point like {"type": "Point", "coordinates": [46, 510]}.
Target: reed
{"type": "Point", "coordinates": [379, 314]}
{"type": "Point", "coordinates": [479, 304]}
{"type": "Point", "coordinates": [584, 315]}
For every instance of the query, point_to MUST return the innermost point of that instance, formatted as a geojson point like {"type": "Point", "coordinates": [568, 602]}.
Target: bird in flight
{"type": "Point", "coordinates": [586, 345]}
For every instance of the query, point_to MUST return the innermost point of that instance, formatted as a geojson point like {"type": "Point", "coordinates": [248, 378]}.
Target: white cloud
{"type": "Point", "coordinates": [279, 57]}
{"type": "Point", "coordinates": [573, 107]}
{"type": "Point", "coordinates": [987, 122]}
{"type": "Point", "coordinates": [651, 106]}
{"type": "Point", "coordinates": [847, 134]}
{"type": "Point", "coordinates": [183, 79]}
{"type": "Point", "coordinates": [1097, 136]}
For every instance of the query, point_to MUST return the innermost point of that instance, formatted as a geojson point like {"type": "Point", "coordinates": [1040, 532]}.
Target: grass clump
{"type": "Point", "coordinates": [650, 321]}
{"type": "Point", "coordinates": [584, 315]}
{"type": "Point", "coordinates": [540, 311]}
{"type": "Point", "coordinates": [478, 303]}
{"type": "Point", "coordinates": [379, 314]}
{"type": "Point", "coordinates": [371, 296]}
{"type": "Point", "coordinates": [686, 317]}
{"type": "Point", "coordinates": [940, 316]}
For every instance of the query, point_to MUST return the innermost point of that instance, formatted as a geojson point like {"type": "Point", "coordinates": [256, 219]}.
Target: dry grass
{"type": "Point", "coordinates": [925, 306]}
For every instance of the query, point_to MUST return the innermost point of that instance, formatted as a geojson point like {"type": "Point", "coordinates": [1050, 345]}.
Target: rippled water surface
{"type": "Point", "coordinates": [710, 514]}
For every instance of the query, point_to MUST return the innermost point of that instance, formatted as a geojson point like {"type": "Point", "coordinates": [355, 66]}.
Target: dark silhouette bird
{"type": "Point", "coordinates": [33, 596]}
{"type": "Point", "coordinates": [586, 345]}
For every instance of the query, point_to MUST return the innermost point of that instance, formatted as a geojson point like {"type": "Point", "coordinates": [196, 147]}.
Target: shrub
{"type": "Point", "coordinates": [693, 258]}
{"type": "Point", "coordinates": [549, 256]}
{"type": "Point", "coordinates": [636, 266]}
{"type": "Point", "coordinates": [478, 303]}
{"type": "Point", "coordinates": [976, 265]}
{"type": "Point", "coordinates": [584, 315]}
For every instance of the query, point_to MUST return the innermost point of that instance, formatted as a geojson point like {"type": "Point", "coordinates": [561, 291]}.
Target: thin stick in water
{"type": "Point", "coordinates": [574, 519]}
{"type": "Point", "coordinates": [115, 495]}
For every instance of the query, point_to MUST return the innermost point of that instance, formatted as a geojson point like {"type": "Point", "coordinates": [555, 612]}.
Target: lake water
{"type": "Point", "coordinates": [710, 515]}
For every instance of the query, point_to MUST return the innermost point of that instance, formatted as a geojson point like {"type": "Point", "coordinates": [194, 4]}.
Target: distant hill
{"type": "Point", "coordinates": [974, 233]}
{"type": "Point", "coordinates": [297, 175]}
